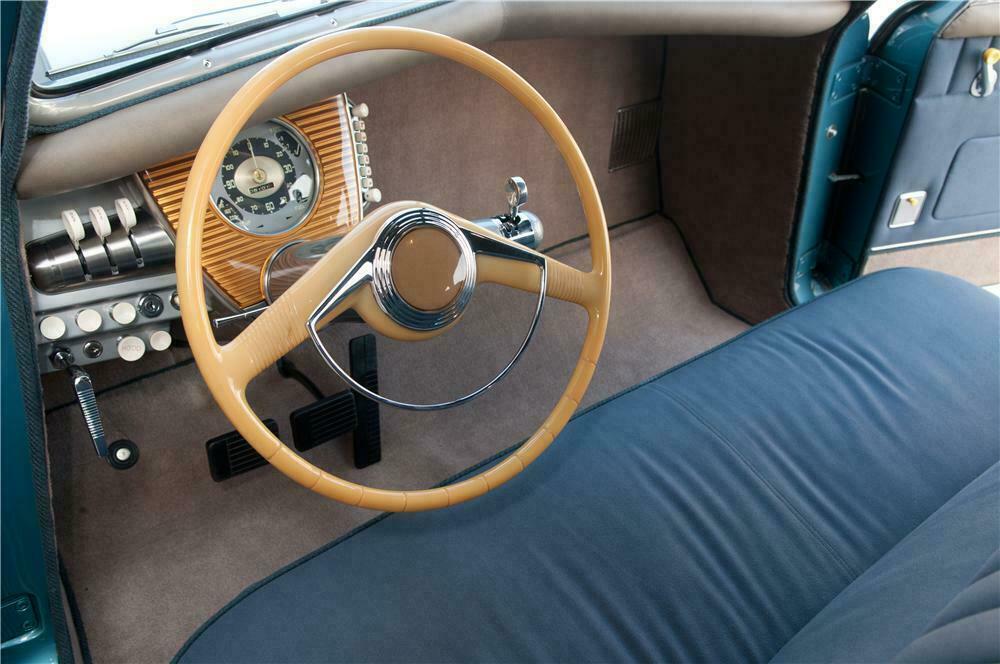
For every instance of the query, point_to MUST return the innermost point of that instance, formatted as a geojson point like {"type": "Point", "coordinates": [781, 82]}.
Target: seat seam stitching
{"type": "Point", "coordinates": [809, 527]}
{"type": "Point", "coordinates": [889, 550]}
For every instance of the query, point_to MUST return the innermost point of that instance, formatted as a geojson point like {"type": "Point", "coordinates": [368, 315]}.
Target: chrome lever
{"type": "Point", "coordinates": [517, 195]}
{"type": "Point", "coordinates": [83, 387]}
{"type": "Point", "coordinates": [518, 225]}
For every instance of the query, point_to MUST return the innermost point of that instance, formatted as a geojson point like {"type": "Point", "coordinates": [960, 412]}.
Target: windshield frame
{"type": "Point", "coordinates": [94, 73]}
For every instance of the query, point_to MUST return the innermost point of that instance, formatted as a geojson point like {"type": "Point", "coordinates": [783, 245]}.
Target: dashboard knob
{"type": "Point", "coordinates": [131, 348]}
{"type": "Point", "coordinates": [160, 340]}
{"type": "Point", "coordinates": [52, 327]}
{"type": "Point", "coordinates": [74, 227]}
{"type": "Point", "coordinates": [123, 313]}
{"type": "Point", "coordinates": [360, 111]}
{"type": "Point", "coordinates": [373, 195]}
{"type": "Point", "coordinates": [151, 305]}
{"type": "Point", "coordinates": [126, 213]}
{"type": "Point", "coordinates": [88, 320]}
{"type": "Point", "coordinates": [99, 220]}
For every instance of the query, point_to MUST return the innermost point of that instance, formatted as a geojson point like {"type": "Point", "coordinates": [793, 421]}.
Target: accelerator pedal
{"type": "Point", "coordinates": [230, 454]}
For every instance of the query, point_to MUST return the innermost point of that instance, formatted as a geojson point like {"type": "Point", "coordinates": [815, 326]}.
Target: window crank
{"type": "Point", "coordinates": [986, 80]}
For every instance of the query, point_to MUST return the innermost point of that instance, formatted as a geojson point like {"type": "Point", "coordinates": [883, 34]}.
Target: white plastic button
{"type": "Point", "coordinates": [99, 220]}
{"type": "Point", "coordinates": [373, 195]}
{"type": "Point", "coordinates": [74, 227]}
{"type": "Point", "coordinates": [360, 111]}
{"type": "Point", "coordinates": [88, 320]}
{"type": "Point", "coordinates": [160, 340]}
{"type": "Point", "coordinates": [52, 327]}
{"type": "Point", "coordinates": [131, 348]}
{"type": "Point", "coordinates": [126, 213]}
{"type": "Point", "coordinates": [123, 313]}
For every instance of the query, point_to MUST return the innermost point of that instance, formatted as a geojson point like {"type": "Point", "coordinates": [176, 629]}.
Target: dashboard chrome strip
{"type": "Point", "coordinates": [935, 240]}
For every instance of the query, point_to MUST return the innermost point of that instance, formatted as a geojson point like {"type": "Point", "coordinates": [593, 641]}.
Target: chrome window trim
{"type": "Point", "coordinates": [935, 240]}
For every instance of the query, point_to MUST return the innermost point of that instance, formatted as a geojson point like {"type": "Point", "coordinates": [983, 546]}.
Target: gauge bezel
{"type": "Point", "coordinates": [317, 173]}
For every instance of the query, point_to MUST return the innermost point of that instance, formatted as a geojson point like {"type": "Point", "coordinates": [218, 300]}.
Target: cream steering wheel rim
{"type": "Point", "coordinates": [228, 369]}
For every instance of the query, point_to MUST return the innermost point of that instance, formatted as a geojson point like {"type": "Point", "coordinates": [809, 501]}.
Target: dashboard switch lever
{"type": "Point", "coordinates": [126, 214]}
{"type": "Point", "coordinates": [74, 227]}
{"type": "Point", "coordinates": [100, 222]}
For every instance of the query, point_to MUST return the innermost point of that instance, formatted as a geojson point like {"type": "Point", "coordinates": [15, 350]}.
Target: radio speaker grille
{"type": "Point", "coordinates": [633, 139]}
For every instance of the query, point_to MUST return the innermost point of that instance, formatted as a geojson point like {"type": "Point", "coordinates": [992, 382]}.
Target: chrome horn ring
{"type": "Point", "coordinates": [387, 294]}
{"type": "Point", "coordinates": [374, 268]}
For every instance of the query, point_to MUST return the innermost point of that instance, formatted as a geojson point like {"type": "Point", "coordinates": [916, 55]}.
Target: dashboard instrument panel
{"type": "Point", "coordinates": [292, 178]}
{"type": "Point", "coordinates": [267, 181]}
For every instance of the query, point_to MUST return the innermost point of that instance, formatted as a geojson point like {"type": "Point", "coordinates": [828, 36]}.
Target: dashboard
{"type": "Point", "coordinates": [101, 259]}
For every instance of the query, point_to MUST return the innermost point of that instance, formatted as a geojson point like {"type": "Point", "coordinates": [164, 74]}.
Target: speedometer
{"type": "Point", "coordinates": [268, 183]}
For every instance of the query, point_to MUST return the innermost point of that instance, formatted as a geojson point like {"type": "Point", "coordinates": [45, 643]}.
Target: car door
{"type": "Point", "coordinates": [917, 181]}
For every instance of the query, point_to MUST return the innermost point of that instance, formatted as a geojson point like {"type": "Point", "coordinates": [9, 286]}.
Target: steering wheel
{"type": "Point", "coordinates": [409, 269]}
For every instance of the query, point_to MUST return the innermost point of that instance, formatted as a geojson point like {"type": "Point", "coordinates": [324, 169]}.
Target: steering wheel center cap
{"type": "Point", "coordinates": [427, 268]}
{"type": "Point", "coordinates": [424, 269]}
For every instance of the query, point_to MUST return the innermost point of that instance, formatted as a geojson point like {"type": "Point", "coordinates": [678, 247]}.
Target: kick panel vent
{"type": "Point", "coordinates": [633, 139]}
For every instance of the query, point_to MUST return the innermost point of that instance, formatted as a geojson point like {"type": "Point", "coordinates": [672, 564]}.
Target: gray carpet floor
{"type": "Point", "coordinates": [151, 553]}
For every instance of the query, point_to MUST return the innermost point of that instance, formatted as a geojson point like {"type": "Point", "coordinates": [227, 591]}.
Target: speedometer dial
{"type": "Point", "coordinates": [268, 182]}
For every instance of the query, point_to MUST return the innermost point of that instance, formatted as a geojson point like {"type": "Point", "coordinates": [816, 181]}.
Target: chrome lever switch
{"type": "Point", "coordinates": [83, 387]}
{"type": "Point", "coordinates": [517, 195]}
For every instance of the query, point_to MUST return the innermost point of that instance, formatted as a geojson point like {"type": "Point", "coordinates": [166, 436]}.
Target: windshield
{"type": "Point", "coordinates": [98, 36]}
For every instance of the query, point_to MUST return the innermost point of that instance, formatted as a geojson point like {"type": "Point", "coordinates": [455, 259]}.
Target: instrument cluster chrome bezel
{"type": "Point", "coordinates": [316, 172]}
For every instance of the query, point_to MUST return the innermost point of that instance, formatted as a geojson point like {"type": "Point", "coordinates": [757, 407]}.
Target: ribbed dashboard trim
{"type": "Point", "coordinates": [233, 259]}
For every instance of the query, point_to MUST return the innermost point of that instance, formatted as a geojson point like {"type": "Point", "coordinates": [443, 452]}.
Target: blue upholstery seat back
{"type": "Point", "coordinates": [748, 504]}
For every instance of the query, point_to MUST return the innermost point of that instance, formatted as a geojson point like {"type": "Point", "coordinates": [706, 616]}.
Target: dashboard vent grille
{"type": "Point", "coordinates": [633, 139]}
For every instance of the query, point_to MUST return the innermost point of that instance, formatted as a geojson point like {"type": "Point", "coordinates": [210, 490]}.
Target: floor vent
{"type": "Point", "coordinates": [633, 139]}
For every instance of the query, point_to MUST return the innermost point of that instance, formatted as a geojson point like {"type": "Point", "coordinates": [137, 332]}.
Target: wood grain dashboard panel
{"type": "Point", "coordinates": [233, 259]}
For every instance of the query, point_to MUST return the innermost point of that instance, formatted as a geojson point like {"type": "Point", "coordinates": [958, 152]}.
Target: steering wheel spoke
{"type": "Point", "coordinates": [502, 261]}
{"type": "Point", "coordinates": [329, 288]}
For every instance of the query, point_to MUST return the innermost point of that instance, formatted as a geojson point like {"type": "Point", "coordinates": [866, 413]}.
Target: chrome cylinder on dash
{"type": "Point", "coordinates": [526, 229]}
{"type": "Point", "coordinates": [294, 259]}
{"type": "Point", "coordinates": [289, 262]}
{"type": "Point", "coordinates": [55, 264]}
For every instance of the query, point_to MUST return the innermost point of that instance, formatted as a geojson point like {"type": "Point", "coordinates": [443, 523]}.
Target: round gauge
{"type": "Point", "coordinates": [268, 183]}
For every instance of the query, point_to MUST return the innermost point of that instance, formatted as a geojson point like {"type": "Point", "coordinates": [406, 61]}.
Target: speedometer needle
{"type": "Point", "coordinates": [258, 175]}
{"type": "Point", "coordinates": [252, 155]}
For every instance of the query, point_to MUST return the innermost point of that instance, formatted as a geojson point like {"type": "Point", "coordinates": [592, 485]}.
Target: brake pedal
{"type": "Point", "coordinates": [323, 420]}
{"type": "Point", "coordinates": [230, 454]}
